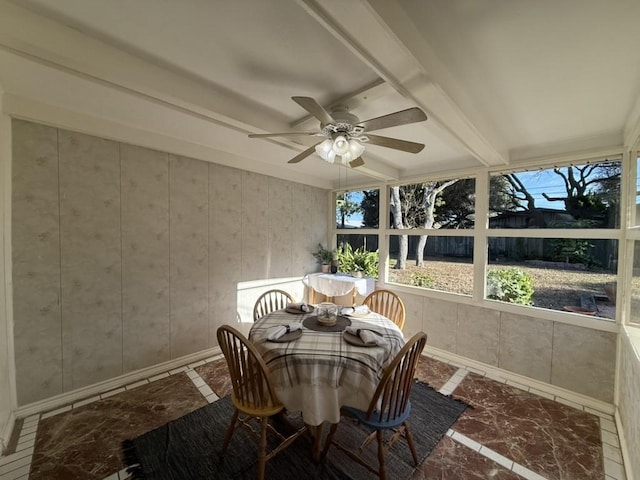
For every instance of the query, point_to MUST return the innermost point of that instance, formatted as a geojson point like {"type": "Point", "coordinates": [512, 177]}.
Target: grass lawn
{"type": "Point", "coordinates": [554, 287]}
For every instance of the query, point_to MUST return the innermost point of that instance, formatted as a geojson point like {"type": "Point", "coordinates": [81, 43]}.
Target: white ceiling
{"type": "Point", "coordinates": [500, 80]}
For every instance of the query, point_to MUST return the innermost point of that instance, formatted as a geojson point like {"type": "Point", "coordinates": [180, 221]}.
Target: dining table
{"type": "Point", "coordinates": [322, 369]}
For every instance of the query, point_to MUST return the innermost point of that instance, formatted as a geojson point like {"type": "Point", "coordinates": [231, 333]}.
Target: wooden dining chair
{"type": "Point", "coordinates": [386, 303]}
{"type": "Point", "coordinates": [389, 408]}
{"type": "Point", "coordinates": [253, 396]}
{"type": "Point", "coordinates": [270, 301]}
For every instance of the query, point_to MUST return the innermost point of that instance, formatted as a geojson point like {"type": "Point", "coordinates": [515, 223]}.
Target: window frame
{"type": "Point", "coordinates": [632, 234]}
{"type": "Point", "coordinates": [481, 233]}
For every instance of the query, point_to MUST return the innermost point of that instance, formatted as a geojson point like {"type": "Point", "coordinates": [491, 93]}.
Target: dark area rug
{"type": "Point", "coordinates": [189, 448]}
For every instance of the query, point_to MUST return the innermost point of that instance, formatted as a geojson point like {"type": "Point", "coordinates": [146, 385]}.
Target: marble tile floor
{"type": "Point", "coordinates": [510, 433]}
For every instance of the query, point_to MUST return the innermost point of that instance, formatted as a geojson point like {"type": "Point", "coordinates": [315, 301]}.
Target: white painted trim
{"type": "Point", "coordinates": [493, 372]}
{"type": "Point", "coordinates": [480, 237]}
{"type": "Point", "coordinates": [59, 46]}
{"type": "Point", "coordinates": [268, 282]}
{"type": "Point", "coordinates": [624, 447]}
{"type": "Point", "coordinates": [631, 132]}
{"type": "Point", "coordinates": [556, 316]}
{"type": "Point", "coordinates": [6, 315]}
{"type": "Point", "coordinates": [369, 30]}
{"type": "Point", "coordinates": [590, 148]}
{"type": "Point", "coordinates": [117, 382]}
{"type": "Point", "coordinates": [5, 433]}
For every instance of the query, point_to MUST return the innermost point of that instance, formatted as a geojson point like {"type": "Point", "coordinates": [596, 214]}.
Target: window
{"type": "Point", "coordinates": [636, 214]}
{"type": "Point", "coordinates": [570, 268]}
{"type": "Point", "coordinates": [357, 213]}
{"type": "Point", "coordinates": [443, 204]}
{"type": "Point", "coordinates": [550, 238]}
{"type": "Point", "coordinates": [635, 285]}
{"type": "Point", "coordinates": [358, 209]}
{"type": "Point", "coordinates": [446, 264]}
{"type": "Point", "coordinates": [582, 196]}
{"type": "Point", "coordinates": [432, 259]}
{"type": "Point", "coordinates": [568, 274]}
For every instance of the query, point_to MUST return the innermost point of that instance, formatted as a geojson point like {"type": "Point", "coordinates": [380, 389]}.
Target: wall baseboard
{"type": "Point", "coordinates": [111, 384]}
{"type": "Point", "coordinates": [624, 448]}
{"type": "Point", "coordinates": [498, 373]}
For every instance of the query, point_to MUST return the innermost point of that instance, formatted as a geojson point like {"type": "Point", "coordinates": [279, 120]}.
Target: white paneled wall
{"type": "Point", "coordinates": [629, 400]}
{"type": "Point", "coordinates": [37, 324]}
{"type": "Point", "coordinates": [125, 257]}
{"type": "Point", "coordinates": [572, 357]}
{"type": "Point", "coordinates": [145, 257]}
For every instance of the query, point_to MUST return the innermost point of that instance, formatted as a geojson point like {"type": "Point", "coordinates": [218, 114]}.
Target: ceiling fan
{"type": "Point", "coordinates": [344, 134]}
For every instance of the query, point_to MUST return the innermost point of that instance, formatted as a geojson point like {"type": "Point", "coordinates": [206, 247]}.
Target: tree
{"type": "Point", "coordinates": [414, 206]}
{"type": "Point", "coordinates": [370, 207]}
{"type": "Point", "coordinates": [455, 207]}
{"type": "Point", "coordinates": [345, 207]}
{"type": "Point", "coordinates": [520, 196]}
{"type": "Point", "coordinates": [456, 204]}
{"type": "Point", "coordinates": [500, 199]}
{"type": "Point", "coordinates": [591, 191]}
{"type": "Point", "coordinates": [586, 187]}
{"type": "Point", "coordinates": [431, 192]}
{"type": "Point", "coordinates": [395, 207]}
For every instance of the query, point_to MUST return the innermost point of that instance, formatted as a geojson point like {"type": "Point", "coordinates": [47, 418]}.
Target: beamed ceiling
{"type": "Point", "coordinates": [502, 81]}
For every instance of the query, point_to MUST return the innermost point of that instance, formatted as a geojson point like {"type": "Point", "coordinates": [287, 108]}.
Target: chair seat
{"type": "Point", "coordinates": [258, 411]}
{"type": "Point", "coordinates": [253, 395]}
{"type": "Point", "coordinates": [389, 409]}
{"type": "Point", "coordinates": [374, 421]}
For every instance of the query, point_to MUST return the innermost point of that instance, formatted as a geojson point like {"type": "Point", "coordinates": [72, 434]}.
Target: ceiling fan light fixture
{"type": "Point", "coordinates": [340, 145]}
{"type": "Point", "coordinates": [347, 150]}
{"type": "Point", "coordinates": [325, 150]}
{"type": "Point", "coordinates": [355, 150]}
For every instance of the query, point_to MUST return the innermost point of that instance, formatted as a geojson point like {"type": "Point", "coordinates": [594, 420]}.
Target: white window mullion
{"type": "Point", "coordinates": [383, 239]}
{"type": "Point", "coordinates": [480, 236]}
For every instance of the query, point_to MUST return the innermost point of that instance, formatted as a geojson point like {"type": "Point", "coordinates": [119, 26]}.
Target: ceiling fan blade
{"type": "Point", "coordinates": [315, 109]}
{"type": "Point", "coordinates": [395, 143]}
{"type": "Point", "coordinates": [403, 117]}
{"type": "Point", "coordinates": [303, 155]}
{"type": "Point", "coordinates": [282, 134]}
{"type": "Point", "coordinates": [358, 162]}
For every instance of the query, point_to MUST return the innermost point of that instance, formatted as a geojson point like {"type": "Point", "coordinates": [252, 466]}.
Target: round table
{"type": "Point", "coordinates": [320, 372]}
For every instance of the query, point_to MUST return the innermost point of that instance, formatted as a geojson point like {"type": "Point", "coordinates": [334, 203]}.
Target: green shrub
{"type": "Point", "coordinates": [510, 285]}
{"type": "Point", "coordinates": [422, 279]}
{"type": "Point", "coordinates": [572, 250]}
{"type": "Point", "coordinates": [358, 260]}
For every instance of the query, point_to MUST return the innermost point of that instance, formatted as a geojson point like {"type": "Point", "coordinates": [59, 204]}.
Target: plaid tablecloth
{"type": "Point", "coordinates": [320, 372]}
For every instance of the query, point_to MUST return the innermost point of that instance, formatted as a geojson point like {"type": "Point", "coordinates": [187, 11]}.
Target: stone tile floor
{"type": "Point", "coordinates": [510, 433]}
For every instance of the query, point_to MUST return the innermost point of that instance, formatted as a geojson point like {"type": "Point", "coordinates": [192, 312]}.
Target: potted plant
{"type": "Point", "coordinates": [358, 262]}
{"type": "Point", "coordinates": [324, 257]}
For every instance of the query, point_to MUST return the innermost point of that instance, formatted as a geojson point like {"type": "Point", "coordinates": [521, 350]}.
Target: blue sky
{"type": "Point", "coordinates": [541, 182]}
{"type": "Point", "coordinates": [536, 182]}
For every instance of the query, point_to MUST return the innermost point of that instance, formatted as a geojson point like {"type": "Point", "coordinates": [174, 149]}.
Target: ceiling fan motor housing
{"type": "Point", "coordinates": [341, 115]}
{"type": "Point", "coordinates": [346, 124]}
